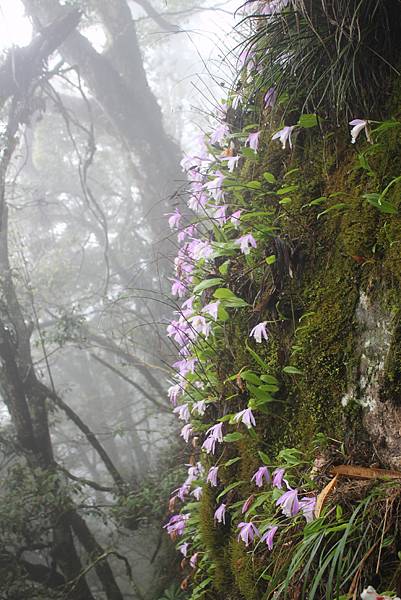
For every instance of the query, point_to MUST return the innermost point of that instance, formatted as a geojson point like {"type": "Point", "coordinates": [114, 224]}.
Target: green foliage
{"type": "Point", "coordinates": [336, 549]}
{"type": "Point", "coordinates": [173, 592]}
{"type": "Point", "coordinates": [30, 501]}
{"type": "Point", "coordinates": [335, 57]}
{"type": "Point", "coordinates": [147, 504]}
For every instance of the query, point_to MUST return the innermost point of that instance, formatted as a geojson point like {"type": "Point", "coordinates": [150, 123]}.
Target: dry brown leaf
{"type": "Point", "coordinates": [228, 152]}
{"type": "Point", "coordinates": [326, 491]}
{"type": "Point", "coordinates": [239, 382]}
{"type": "Point", "coordinates": [185, 583]}
{"type": "Point", "coordinates": [364, 472]}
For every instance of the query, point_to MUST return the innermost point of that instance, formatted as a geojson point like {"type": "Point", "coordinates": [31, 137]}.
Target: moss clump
{"type": "Point", "coordinates": [392, 369]}
{"type": "Point", "coordinates": [390, 238]}
{"type": "Point", "coordinates": [326, 349]}
{"type": "Point", "coordinates": [215, 540]}
{"type": "Point", "coordinates": [244, 571]}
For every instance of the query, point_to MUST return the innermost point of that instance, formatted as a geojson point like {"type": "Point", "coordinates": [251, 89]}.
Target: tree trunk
{"type": "Point", "coordinates": [118, 81]}
{"type": "Point", "coordinates": [25, 396]}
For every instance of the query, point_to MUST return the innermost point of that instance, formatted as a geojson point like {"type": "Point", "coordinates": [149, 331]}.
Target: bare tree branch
{"type": "Point", "coordinates": [90, 436]}
{"type": "Point", "coordinates": [24, 65]}
{"type": "Point", "coordinates": [88, 482]}
{"type": "Point", "coordinates": [157, 17]}
{"type": "Point", "coordinates": [131, 382]}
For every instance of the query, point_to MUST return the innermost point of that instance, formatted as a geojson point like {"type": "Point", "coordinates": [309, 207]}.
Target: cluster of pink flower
{"type": "Point", "coordinates": [207, 196]}
{"type": "Point", "coordinates": [176, 525]}
{"type": "Point", "coordinates": [289, 502]}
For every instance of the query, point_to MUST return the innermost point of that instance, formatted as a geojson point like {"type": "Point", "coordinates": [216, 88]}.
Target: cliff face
{"type": "Point", "coordinates": [325, 280]}
{"type": "Point", "coordinates": [335, 317]}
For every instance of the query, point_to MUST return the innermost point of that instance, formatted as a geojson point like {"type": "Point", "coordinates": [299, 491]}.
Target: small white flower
{"type": "Point", "coordinates": [284, 135]}
{"type": "Point", "coordinates": [259, 332]}
{"type": "Point", "coordinates": [232, 162]}
{"type": "Point", "coordinates": [359, 125]}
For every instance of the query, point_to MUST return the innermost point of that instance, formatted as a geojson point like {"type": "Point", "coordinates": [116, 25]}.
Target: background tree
{"type": "Point", "coordinates": [87, 174]}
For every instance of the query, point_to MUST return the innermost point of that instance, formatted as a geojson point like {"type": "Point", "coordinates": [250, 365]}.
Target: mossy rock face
{"type": "Point", "coordinates": [332, 302]}
{"type": "Point", "coordinates": [392, 378]}
{"type": "Point", "coordinates": [346, 254]}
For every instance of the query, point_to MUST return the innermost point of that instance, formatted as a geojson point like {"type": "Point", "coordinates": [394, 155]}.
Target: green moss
{"type": "Point", "coordinates": [390, 237]}
{"type": "Point", "coordinates": [248, 450]}
{"type": "Point", "coordinates": [326, 342]}
{"type": "Point", "coordinates": [215, 540]}
{"type": "Point", "coordinates": [392, 370]}
{"type": "Point", "coordinates": [244, 571]}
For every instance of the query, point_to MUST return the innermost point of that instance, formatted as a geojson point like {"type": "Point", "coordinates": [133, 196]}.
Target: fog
{"type": "Point", "coordinates": [100, 99]}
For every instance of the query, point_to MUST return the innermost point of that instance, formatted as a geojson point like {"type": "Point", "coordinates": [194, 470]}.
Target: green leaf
{"type": "Point", "coordinates": [250, 127]}
{"type": "Point", "coordinates": [224, 267]}
{"type": "Point", "coordinates": [285, 200]}
{"type": "Point", "coordinates": [250, 216]}
{"type": "Point", "coordinates": [265, 459]}
{"type": "Point", "coordinates": [229, 299]}
{"type": "Point", "coordinates": [339, 194]}
{"type": "Point", "coordinates": [291, 172]}
{"type": "Point", "coordinates": [316, 201]}
{"type": "Point", "coordinates": [291, 456]}
{"type": "Point", "coordinates": [258, 404]}
{"type": "Point", "coordinates": [270, 178]}
{"type": "Point", "coordinates": [235, 303]}
{"type": "Point", "coordinates": [224, 294]}
{"type": "Point", "coordinates": [230, 487]}
{"type": "Point", "coordinates": [257, 392]}
{"type": "Point", "coordinates": [238, 196]}
{"type": "Point", "coordinates": [386, 125]}
{"type": "Point", "coordinates": [319, 200]}
{"type": "Point", "coordinates": [233, 437]}
{"type": "Point", "coordinates": [250, 377]}
{"type": "Point", "coordinates": [292, 370]}
{"type": "Point", "coordinates": [257, 358]}
{"type": "Point", "coordinates": [252, 433]}
{"type": "Point", "coordinates": [222, 314]}
{"type": "Point", "coordinates": [269, 379]}
{"type": "Point", "coordinates": [261, 499]}
{"type": "Point", "coordinates": [249, 154]}
{"type": "Point", "coordinates": [338, 206]}
{"type": "Point", "coordinates": [271, 259]}
{"type": "Point", "coordinates": [225, 246]}
{"type": "Point", "coordinates": [364, 164]}
{"type": "Point", "coordinates": [266, 231]}
{"type": "Point", "coordinates": [254, 185]}
{"type": "Point", "coordinates": [268, 387]}
{"type": "Point", "coordinates": [225, 251]}
{"type": "Point", "coordinates": [202, 585]}
{"type": "Point", "coordinates": [232, 461]}
{"type": "Point", "coordinates": [206, 284]}
{"type": "Point", "coordinates": [286, 190]}
{"type": "Point", "coordinates": [377, 201]}
{"type": "Point", "coordinates": [307, 121]}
